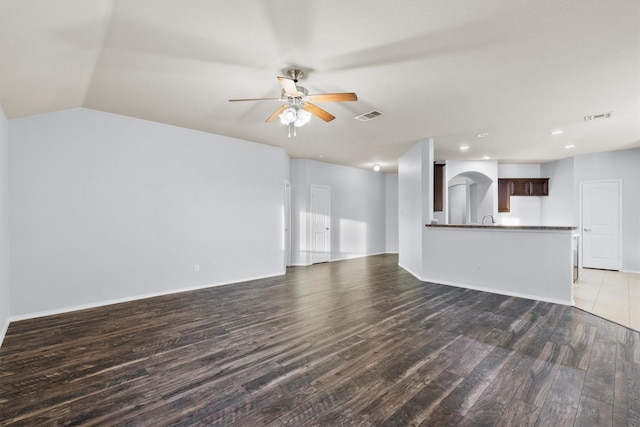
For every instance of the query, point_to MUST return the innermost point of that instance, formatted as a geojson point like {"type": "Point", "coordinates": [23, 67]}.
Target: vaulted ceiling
{"type": "Point", "coordinates": [451, 70]}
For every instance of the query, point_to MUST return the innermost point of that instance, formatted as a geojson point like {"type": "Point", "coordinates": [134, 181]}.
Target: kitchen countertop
{"type": "Point", "coordinates": [505, 227]}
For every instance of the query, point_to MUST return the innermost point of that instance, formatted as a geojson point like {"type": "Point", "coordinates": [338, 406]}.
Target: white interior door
{"type": "Point", "coordinates": [601, 225]}
{"type": "Point", "coordinates": [320, 223]}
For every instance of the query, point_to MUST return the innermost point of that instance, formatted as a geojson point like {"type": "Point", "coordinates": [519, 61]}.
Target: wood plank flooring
{"type": "Point", "coordinates": [358, 342]}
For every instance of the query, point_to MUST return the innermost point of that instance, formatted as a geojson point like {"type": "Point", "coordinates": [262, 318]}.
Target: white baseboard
{"type": "Point", "coordinates": [344, 258]}
{"type": "Point", "coordinates": [413, 273]}
{"type": "Point", "coordinates": [489, 290]}
{"type": "Point", "coordinates": [3, 331]}
{"type": "Point", "coordinates": [631, 271]}
{"type": "Point", "coordinates": [130, 298]}
{"type": "Point", "coordinates": [502, 292]}
{"type": "Point", "coordinates": [354, 256]}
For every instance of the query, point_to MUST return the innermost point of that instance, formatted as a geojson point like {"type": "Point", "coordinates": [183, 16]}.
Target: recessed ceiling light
{"type": "Point", "coordinates": [557, 132]}
{"type": "Point", "coordinates": [482, 135]}
{"type": "Point", "coordinates": [570, 146]}
{"type": "Point", "coordinates": [464, 148]}
{"type": "Point", "coordinates": [486, 158]}
{"type": "Point", "coordinates": [321, 156]}
{"type": "Point", "coordinates": [376, 167]}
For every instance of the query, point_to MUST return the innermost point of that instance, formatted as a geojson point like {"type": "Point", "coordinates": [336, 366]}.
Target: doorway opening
{"type": "Point", "coordinates": [469, 198]}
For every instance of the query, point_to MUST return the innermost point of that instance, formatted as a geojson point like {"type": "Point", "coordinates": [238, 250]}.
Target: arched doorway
{"type": "Point", "coordinates": [469, 198]}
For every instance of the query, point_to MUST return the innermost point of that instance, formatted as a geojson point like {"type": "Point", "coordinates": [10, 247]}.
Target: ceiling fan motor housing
{"type": "Point", "coordinates": [295, 74]}
{"type": "Point", "coordinates": [301, 89]}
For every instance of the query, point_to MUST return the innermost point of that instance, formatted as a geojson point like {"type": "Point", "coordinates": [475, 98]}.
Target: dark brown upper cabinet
{"type": "Point", "coordinates": [504, 195]}
{"type": "Point", "coordinates": [438, 187]}
{"type": "Point", "coordinates": [520, 187]}
{"type": "Point", "coordinates": [539, 187]}
{"type": "Point", "coordinates": [508, 187]}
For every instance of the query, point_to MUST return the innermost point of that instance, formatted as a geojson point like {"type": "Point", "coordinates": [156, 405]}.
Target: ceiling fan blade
{"type": "Point", "coordinates": [333, 97]}
{"type": "Point", "coordinates": [317, 111]}
{"type": "Point", "coordinates": [274, 116]}
{"type": "Point", "coordinates": [255, 99]}
{"type": "Point", "coordinates": [289, 86]}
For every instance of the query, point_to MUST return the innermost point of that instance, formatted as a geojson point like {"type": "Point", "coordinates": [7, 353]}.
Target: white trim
{"type": "Point", "coordinates": [502, 292]}
{"type": "Point", "coordinates": [630, 271]}
{"type": "Point", "coordinates": [347, 258]}
{"type": "Point", "coordinates": [354, 256]}
{"type": "Point", "coordinates": [620, 223]}
{"type": "Point", "coordinates": [132, 298]}
{"type": "Point", "coordinates": [4, 330]}
{"type": "Point", "coordinates": [417, 276]}
{"type": "Point", "coordinates": [489, 290]}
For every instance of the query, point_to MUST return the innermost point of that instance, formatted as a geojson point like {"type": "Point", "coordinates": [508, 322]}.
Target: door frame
{"type": "Point", "coordinates": [620, 223]}
{"type": "Point", "coordinates": [311, 234]}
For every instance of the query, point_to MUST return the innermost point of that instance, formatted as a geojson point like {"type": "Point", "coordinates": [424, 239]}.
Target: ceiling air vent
{"type": "Point", "coordinates": [598, 116]}
{"type": "Point", "coordinates": [368, 116]}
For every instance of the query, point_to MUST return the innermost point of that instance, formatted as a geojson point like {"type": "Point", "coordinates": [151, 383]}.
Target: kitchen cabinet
{"type": "Point", "coordinates": [508, 187]}
{"type": "Point", "coordinates": [539, 187]}
{"type": "Point", "coordinates": [438, 187]}
{"type": "Point", "coordinates": [504, 195]}
{"type": "Point", "coordinates": [519, 187]}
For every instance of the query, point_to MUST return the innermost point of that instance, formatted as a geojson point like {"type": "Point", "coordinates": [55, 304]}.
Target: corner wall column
{"type": "Point", "coordinates": [415, 204]}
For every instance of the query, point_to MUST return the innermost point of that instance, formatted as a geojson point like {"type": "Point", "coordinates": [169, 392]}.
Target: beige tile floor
{"type": "Point", "coordinates": [613, 295]}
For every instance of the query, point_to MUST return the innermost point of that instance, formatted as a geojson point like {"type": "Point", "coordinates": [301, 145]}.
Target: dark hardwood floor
{"type": "Point", "coordinates": [358, 342]}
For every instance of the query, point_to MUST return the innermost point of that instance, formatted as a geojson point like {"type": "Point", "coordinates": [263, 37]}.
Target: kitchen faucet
{"type": "Point", "coordinates": [493, 221]}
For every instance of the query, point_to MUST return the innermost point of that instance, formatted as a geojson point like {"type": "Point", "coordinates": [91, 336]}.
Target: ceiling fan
{"type": "Point", "coordinates": [298, 104]}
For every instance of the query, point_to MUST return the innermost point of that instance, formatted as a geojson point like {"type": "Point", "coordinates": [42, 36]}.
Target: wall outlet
{"type": "Point", "coordinates": [197, 267]}
{"type": "Point", "coordinates": [477, 269]}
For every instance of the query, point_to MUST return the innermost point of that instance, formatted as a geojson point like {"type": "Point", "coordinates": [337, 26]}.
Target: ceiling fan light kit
{"type": "Point", "coordinates": [298, 107]}
{"type": "Point", "coordinates": [294, 116]}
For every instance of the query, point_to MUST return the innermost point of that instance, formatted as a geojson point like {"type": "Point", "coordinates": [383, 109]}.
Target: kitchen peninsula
{"type": "Point", "coordinates": [534, 262]}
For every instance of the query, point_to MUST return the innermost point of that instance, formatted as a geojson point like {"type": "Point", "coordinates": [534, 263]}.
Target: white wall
{"type": "Point", "coordinates": [525, 210]}
{"type": "Point", "coordinates": [415, 204]}
{"type": "Point", "coordinates": [391, 213]}
{"type": "Point", "coordinates": [357, 209]}
{"type": "Point", "coordinates": [4, 225]}
{"type": "Point", "coordinates": [624, 165]}
{"type": "Point", "coordinates": [556, 209]}
{"type": "Point", "coordinates": [524, 263]}
{"type": "Point", "coordinates": [107, 208]}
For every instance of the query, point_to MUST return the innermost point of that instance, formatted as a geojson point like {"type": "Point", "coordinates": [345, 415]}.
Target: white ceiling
{"type": "Point", "coordinates": [516, 69]}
